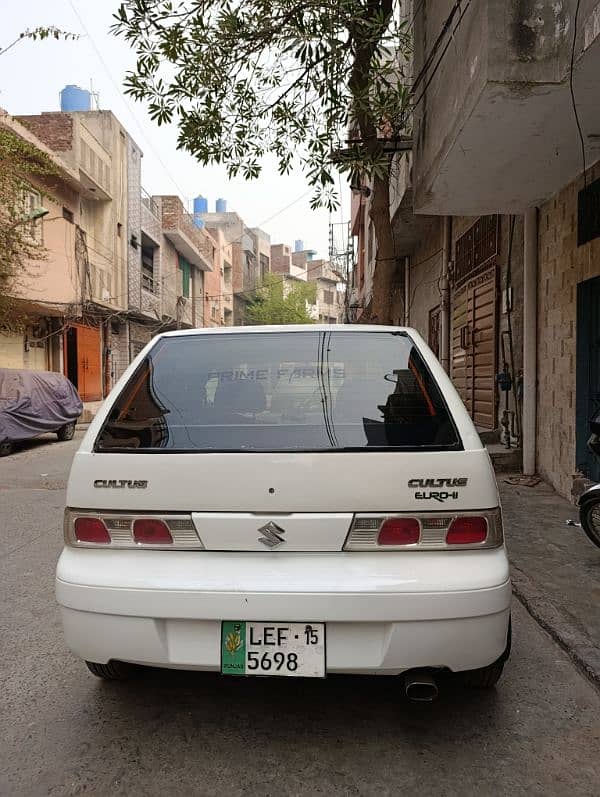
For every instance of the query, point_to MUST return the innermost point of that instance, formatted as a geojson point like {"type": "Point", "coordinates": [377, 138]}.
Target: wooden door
{"type": "Point", "coordinates": [474, 347]}
{"type": "Point", "coordinates": [89, 363]}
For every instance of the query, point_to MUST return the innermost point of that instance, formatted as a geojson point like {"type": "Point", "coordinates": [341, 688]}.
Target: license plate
{"type": "Point", "coordinates": [289, 649]}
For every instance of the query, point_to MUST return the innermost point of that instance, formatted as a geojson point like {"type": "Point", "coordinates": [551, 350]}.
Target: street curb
{"type": "Point", "coordinates": [561, 626]}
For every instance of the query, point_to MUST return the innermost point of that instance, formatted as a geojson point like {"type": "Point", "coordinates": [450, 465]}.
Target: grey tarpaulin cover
{"type": "Point", "coordinates": [33, 402]}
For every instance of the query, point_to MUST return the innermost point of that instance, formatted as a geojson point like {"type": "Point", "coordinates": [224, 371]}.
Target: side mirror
{"type": "Point", "coordinates": [595, 423]}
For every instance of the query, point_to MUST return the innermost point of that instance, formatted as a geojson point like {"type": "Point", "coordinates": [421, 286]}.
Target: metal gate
{"type": "Point", "coordinates": [474, 347]}
{"type": "Point", "coordinates": [588, 371]}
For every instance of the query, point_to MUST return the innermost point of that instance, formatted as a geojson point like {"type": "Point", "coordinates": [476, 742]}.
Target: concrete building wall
{"type": "Point", "coordinates": [117, 337]}
{"type": "Point", "coordinates": [224, 257]}
{"type": "Point", "coordinates": [171, 287]}
{"type": "Point", "coordinates": [134, 225]}
{"type": "Point", "coordinates": [212, 306]}
{"type": "Point", "coordinates": [455, 87]}
{"type": "Point", "coordinates": [493, 120]}
{"type": "Point", "coordinates": [262, 251]}
{"type": "Point", "coordinates": [56, 278]}
{"type": "Point", "coordinates": [561, 266]}
{"type": "Point", "coordinates": [237, 265]}
{"type": "Point", "coordinates": [425, 268]}
{"type": "Point", "coordinates": [139, 335]}
{"type": "Point", "coordinates": [151, 228]}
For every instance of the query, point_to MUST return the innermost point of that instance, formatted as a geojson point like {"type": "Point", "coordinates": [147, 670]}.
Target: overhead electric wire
{"type": "Point", "coordinates": [122, 97]}
{"type": "Point", "coordinates": [443, 53]}
{"type": "Point", "coordinates": [438, 41]}
{"type": "Point", "coordinates": [572, 92]}
{"type": "Point", "coordinates": [158, 157]}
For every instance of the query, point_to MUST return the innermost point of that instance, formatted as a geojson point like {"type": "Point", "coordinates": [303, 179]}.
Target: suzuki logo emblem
{"type": "Point", "coordinates": [272, 535]}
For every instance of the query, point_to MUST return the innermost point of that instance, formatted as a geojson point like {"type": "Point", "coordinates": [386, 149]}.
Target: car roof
{"type": "Point", "coordinates": [285, 328]}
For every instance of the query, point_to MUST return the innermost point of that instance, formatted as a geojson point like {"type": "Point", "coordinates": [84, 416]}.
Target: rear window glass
{"type": "Point", "coordinates": [280, 391]}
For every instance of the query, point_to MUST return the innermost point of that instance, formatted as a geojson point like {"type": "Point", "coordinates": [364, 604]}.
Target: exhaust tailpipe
{"type": "Point", "coordinates": [420, 687]}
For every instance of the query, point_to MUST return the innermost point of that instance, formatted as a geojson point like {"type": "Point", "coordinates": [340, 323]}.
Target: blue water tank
{"type": "Point", "coordinates": [200, 204]}
{"type": "Point", "coordinates": [298, 245]}
{"type": "Point", "coordinates": [221, 206]}
{"type": "Point", "coordinates": [72, 98]}
{"type": "Point", "coordinates": [200, 208]}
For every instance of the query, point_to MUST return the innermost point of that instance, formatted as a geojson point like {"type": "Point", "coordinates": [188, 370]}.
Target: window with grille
{"type": "Point", "coordinates": [148, 269]}
{"type": "Point", "coordinates": [476, 248]}
{"type": "Point", "coordinates": [328, 297]}
{"type": "Point", "coordinates": [186, 271]}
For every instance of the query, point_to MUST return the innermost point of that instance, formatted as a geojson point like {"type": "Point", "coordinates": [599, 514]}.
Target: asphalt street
{"type": "Point", "coordinates": [63, 732]}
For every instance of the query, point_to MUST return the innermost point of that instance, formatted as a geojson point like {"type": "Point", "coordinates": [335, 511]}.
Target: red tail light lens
{"type": "Point", "coordinates": [91, 529]}
{"type": "Point", "coordinates": [151, 532]}
{"type": "Point", "coordinates": [467, 531]}
{"type": "Point", "coordinates": [399, 531]}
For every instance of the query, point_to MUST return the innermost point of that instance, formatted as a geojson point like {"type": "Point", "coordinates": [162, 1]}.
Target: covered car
{"type": "Point", "coordinates": [35, 402]}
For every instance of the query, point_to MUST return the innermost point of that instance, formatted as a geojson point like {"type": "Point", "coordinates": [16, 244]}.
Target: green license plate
{"type": "Point", "coordinates": [295, 650]}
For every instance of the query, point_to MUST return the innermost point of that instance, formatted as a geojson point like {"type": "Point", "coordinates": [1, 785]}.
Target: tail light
{"type": "Point", "coordinates": [437, 531]}
{"type": "Point", "coordinates": [89, 529]}
{"type": "Point", "coordinates": [399, 531]}
{"type": "Point", "coordinates": [467, 530]}
{"type": "Point", "coordinates": [151, 531]}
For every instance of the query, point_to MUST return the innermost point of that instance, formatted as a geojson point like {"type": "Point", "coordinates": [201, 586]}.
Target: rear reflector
{"type": "Point", "coordinates": [399, 531]}
{"type": "Point", "coordinates": [90, 529]}
{"type": "Point", "coordinates": [468, 530]}
{"type": "Point", "coordinates": [151, 531]}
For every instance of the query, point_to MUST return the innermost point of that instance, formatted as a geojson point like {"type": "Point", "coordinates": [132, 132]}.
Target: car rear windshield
{"type": "Point", "coordinates": [280, 391]}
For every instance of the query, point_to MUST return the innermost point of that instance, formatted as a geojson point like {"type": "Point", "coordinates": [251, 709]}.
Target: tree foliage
{"type": "Point", "coordinates": [279, 302]}
{"type": "Point", "coordinates": [244, 78]}
{"type": "Point", "coordinates": [39, 34]}
{"type": "Point", "coordinates": [20, 163]}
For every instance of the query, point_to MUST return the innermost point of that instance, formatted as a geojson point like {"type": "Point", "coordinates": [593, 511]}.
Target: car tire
{"type": "Point", "coordinates": [484, 678]}
{"type": "Point", "coordinates": [591, 529]}
{"type": "Point", "coordinates": [488, 677]}
{"type": "Point", "coordinates": [6, 448]}
{"type": "Point", "coordinates": [113, 671]}
{"type": "Point", "coordinates": [66, 432]}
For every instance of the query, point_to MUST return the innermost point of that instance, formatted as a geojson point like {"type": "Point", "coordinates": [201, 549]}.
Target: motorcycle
{"type": "Point", "coordinates": [589, 502]}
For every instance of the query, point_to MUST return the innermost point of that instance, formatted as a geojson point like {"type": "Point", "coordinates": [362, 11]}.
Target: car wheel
{"type": "Point", "coordinates": [113, 671]}
{"type": "Point", "coordinates": [488, 677]}
{"type": "Point", "coordinates": [5, 449]}
{"type": "Point", "coordinates": [66, 432]}
{"type": "Point", "coordinates": [484, 678]}
{"type": "Point", "coordinates": [590, 521]}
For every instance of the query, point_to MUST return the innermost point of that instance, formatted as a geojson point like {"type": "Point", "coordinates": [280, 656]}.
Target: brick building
{"type": "Point", "coordinates": [93, 287]}
{"type": "Point", "coordinates": [329, 305]}
{"type": "Point", "coordinates": [249, 258]}
{"type": "Point", "coordinates": [496, 223]}
{"type": "Point", "coordinates": [121, 266]}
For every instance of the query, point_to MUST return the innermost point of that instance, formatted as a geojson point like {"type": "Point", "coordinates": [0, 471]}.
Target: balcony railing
{"type": "Point", "coordinates": [150, 204]}
{"type": "Point", "coordinates": [149, 283]}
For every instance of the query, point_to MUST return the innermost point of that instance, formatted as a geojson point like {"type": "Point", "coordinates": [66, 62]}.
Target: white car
{"type": "Point", "coordinates": [290, 501]}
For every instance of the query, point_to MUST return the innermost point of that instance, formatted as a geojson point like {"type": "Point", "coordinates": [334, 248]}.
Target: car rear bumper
{"type": "Point", "coordinates": [384, 613]}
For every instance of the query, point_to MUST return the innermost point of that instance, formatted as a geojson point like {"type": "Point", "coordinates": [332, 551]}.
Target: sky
{"type": "Point", "coordinates": [33, 73]}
